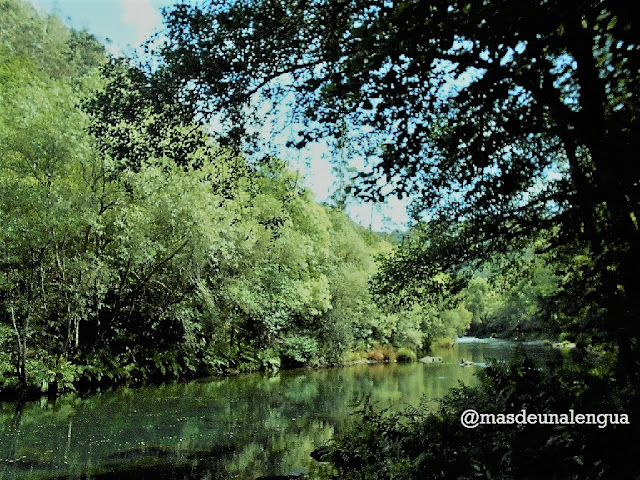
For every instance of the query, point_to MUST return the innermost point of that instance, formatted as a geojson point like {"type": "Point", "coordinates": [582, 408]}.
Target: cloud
{"type": "Point", "coordinates": [143, 17]}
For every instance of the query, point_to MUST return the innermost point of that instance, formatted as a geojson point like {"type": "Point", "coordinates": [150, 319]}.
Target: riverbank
{"type": "Point", "coordinates": [94, 378]}
{"type": "Point", "coordinates": [89, 385]}
{"type": "Point", "coordinates": [242, 426]}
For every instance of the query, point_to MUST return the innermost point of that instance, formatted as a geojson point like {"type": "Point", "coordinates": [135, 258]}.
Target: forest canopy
{"type": "Point", "coordinates": [511, 123]}
{"type": "Point", "coordinates": [138, 242]}
{"type": "Point", "coordinates": [136, 247]}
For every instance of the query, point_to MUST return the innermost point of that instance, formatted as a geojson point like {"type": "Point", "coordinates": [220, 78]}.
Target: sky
{"type": "Point", "coordinates": [124, 24]}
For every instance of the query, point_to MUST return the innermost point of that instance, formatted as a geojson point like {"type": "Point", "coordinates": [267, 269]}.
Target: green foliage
{"type": "Point", "coordinates": [419, 443]}
{"type": "Point", "coordinates": [54, 49]}
{"type": "Point", "coordinates": [135, 121]}
{"type": "Point", "coordinates": [270, 359]}
{"type": "Point", "coordinates": [406, 355]}
{"type": "Point", "coordinates": [514, 124]}
{"type": "Point", "coordinates": [513, 305]}
{"type": "Point", "coordinates": [374, 448]}
{"type": "Point", "coordinates": [299, 350]}
{"type": "Point", "coordinates": [53, 378]}
{"type": "Point", "coordinates": [511, 123]}
{"type": "Point", "coordinates": [135, 247]}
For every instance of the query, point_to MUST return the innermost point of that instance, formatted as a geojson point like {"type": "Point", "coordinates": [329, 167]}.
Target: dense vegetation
{"type": "Point", "coordinates": [136, 244]}
{"type": "Point", "coordinates": [510, 297]}
{"type": "Point", "coordinates": [135, 247]}
{"type": "Point", "coordinates": [425, 444]}
{"type": "Point", "coordinates": [513, 124]}
{"type": "Point", "coordinates": [515, 127]}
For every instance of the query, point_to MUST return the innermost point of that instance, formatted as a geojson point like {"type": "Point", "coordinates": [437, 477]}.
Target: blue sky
{"type": "Point", "coordinates": [127, 23]}
{"type": "Point", "coordinates": [124, 24]}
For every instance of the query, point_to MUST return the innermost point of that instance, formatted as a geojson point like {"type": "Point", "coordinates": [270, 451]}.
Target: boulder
{"type": "Point", "coordinates": [564, 344]}
{"type": "Point", "coordinates": [431, 359]}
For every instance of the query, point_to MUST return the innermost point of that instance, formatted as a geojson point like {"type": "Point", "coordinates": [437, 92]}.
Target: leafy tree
{"type": "Point", "coordinates": [134, 246]}
{"type": "Point", "coordinates": [514, 304]}
{"type": "Point", "coordinates": [54, 48]}
{"type": "Point", "coordinates": [40, 200]}
{"type": "Point", "coordinates": [136, 119]}
{"type": "Point", "coordinates": [508, 120]}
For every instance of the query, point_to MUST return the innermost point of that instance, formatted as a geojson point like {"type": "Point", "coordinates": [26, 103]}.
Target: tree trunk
{"type": "Point", "coordinates": [616, 236]}
{"type": "Point", "coordinates": [21, 342]}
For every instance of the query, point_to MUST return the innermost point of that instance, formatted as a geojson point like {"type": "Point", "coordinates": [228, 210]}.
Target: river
{"type": "Point", "coordinates": [240, 427]}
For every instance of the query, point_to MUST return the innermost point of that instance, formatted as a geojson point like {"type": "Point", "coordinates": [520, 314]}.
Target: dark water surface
{"type": "Point", "coordinates": [239, 427]}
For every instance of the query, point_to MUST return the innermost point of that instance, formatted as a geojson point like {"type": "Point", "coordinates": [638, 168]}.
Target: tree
{"type": "Point", "coordinates": [55, 49]}
{"type": "Point", "coordinates": [507, 120]}
{"type": "Point", "coordinates": [41, 201]}
{"type": "Point", "coordinates": [133, 246]}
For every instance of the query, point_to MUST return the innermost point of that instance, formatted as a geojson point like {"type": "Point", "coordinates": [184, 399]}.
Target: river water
{"type": "Point", "coordinates": [240, 427]}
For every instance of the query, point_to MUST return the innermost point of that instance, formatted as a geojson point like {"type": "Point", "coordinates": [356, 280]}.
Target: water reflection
{"type": "Point", "coordinates": [238, 427]}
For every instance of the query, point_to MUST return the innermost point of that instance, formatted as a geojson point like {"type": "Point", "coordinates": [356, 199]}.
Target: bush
{"type": "Point", "coordinates": [420, 444]}
{"type": "Point", "coordinates": [356, 356]}
{"type": "Point", "coordinates": [270, 359]}
{"type": "Point", "coordinates": [376, 356]}
{"type": "Point", "coordinates": [299, 350]}
{"type": "Point", "coordinates": [406, 355]}
{"type": "Point", "coordinates": [382, 354]}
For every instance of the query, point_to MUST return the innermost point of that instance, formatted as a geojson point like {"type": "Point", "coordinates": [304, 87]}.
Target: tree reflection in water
{"type": "Point", "coordinates": [239, 427]}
